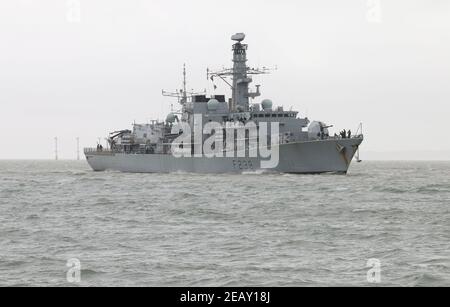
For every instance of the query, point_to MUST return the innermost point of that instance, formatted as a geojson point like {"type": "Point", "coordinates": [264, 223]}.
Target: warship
{"type": "Point", "coordinates": [236, 135]}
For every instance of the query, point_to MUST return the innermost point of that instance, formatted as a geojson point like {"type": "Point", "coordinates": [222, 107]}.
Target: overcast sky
{"type": "Point", "coordinates": [85, 68]}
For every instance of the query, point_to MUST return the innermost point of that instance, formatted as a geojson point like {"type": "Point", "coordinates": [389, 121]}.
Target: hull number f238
{"type": "Point", "coordinates": [243, 164]}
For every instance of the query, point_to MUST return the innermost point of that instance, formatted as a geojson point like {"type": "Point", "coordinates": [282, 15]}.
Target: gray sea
{"type": "Point", "coordinates": [224, 230]}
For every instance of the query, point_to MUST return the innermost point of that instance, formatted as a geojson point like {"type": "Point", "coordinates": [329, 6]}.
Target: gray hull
{"type": "Point", "coordinates": [305, 157]}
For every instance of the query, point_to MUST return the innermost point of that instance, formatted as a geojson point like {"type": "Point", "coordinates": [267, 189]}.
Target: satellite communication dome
{"type": "Point", "coordinates": [239, 37]}
{"type": "Point", "coordinates": [171, 118]}
{"type": "Point", "coordinates": [213, 105]}
{"type": "Point", "coordinates": [240, 109]}
{"type": "Point", "coordinates": [267, 104]}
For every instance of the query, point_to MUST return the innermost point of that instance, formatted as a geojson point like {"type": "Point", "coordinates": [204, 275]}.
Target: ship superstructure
{"type": "Point", "coordinates": [218, 135]}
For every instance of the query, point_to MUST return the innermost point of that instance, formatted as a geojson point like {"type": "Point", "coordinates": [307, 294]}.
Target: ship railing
{"type": "Point", "coordinates": [98, 151]}
{"type": "Point", "coordinates": [338, 137]}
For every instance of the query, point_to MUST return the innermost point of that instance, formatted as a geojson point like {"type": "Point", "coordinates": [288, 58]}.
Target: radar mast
{"type": "Point", "coordinates": [182, 95]}
{"type": "Point", "coordinates": [240, 75]}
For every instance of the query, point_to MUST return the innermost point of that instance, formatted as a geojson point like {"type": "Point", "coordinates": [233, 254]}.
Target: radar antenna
{"type": "Point", "coordinates": [240, 75]}
{"type": "Point", "coordinates": [182, 95]}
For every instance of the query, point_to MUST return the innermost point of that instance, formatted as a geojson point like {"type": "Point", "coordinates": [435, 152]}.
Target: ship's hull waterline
{"type": "Point", "coordinates": [322, 156]}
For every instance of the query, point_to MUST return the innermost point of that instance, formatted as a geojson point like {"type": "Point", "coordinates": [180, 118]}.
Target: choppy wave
{"type": "Point", "coordinates": [257, 229]}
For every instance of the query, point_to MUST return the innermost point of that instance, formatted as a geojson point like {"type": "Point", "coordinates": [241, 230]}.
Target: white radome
{"type": "Point", "coordinates": [213, 105]}
{"type": "Point", "coordinates": [267, 104]}
{"type": "Point", "coordinates": [171, 118]}
{"type": "Point", "coordinates": [239, 37]}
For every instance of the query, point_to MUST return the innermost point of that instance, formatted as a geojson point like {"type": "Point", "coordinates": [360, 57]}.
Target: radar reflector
{"type": "Point", "coordinates": [239, 37]}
